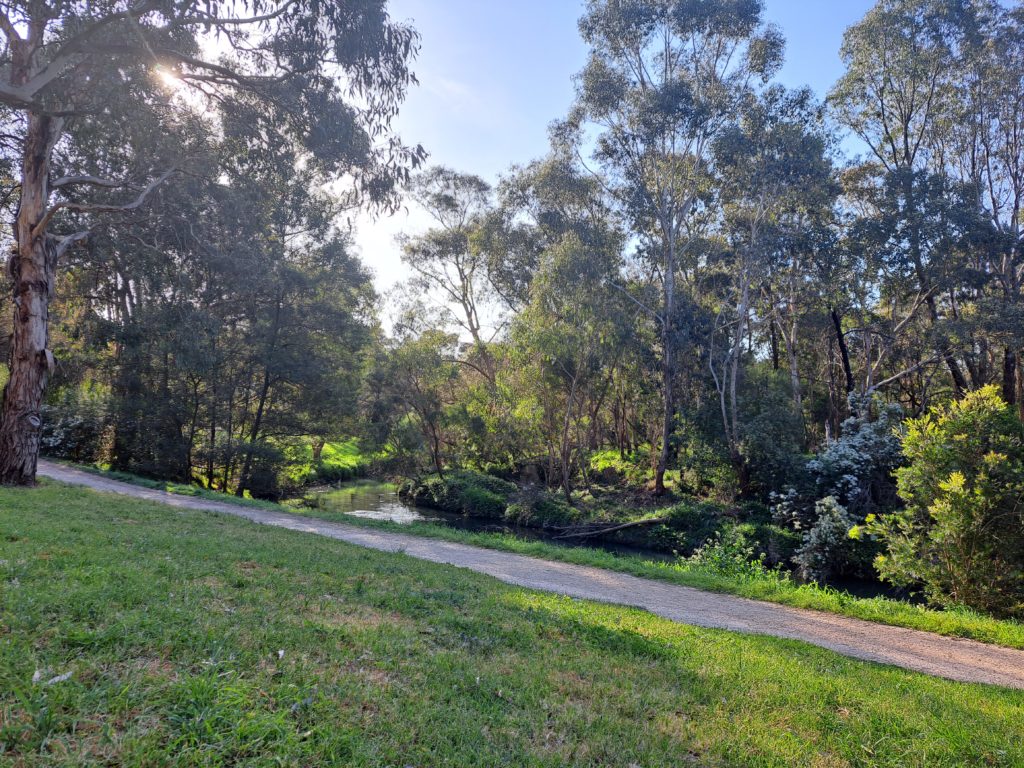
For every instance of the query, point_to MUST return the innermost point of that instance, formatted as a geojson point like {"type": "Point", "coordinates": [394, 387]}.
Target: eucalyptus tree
{"type": "Point", "coordinates": [574, 329]}
{"type": "Point", "coordinates": [899, 96]}
{"type": "Point", "coordinates": [775, 177]}
{"type": "Point", "coordinates": [329, 75]}
{"type": "Point", "coordinates": [662, 81]}
{"type": "Point", "coordinates": [986, 151]}
{"type": "Point", "coordinates": [537, 206]}
{"type": "Point", "coordinates": [572, 335]}
{"type": "Point", "coordinates": [446, 259]}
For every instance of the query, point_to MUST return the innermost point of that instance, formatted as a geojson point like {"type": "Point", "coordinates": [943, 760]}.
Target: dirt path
{"type": "Point", "coordinates": [963, 660]}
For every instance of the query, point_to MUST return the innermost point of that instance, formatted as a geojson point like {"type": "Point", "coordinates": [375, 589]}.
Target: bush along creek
{"type": "Point", "coordinates": [799, 518]}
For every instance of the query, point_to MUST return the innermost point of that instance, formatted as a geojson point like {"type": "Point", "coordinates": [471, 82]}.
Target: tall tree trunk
{"type": "Point", "coordinates": [1010, 376]}
{"type": "Point", "coordinates": [844, 351]}
{"type": "Point", "coordinates": [245, 477]}
{"type": "Point", "coordinates": [668, 364]}
{"type": "Point", "coordinates": [257, 423]}
{"type": "Point", "coordinates": [31, 269]}
{"type": "Point", "coordinates": [774, 344]}
{"type": "Point", "coordinates": [565, 450]}
{"type": "Point", "coordinates": [926, 287]}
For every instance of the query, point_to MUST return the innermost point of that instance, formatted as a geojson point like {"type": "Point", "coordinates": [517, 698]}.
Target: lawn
{"type": "Point", "coordinates": [199, 639]}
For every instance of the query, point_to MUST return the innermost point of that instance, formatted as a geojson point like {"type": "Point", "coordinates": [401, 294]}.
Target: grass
{"type": "Point", "coordinates": [199, 639]}
{"type": "Point", "coordinates": [339, 461]}
{"type": "Point", "coordinates": [772, 586]}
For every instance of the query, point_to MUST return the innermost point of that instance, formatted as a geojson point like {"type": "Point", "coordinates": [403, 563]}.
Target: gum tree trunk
{"type": "Point", "coordinates": [668, 365]}
{"type": "Point", "coordinates": [31, 270]}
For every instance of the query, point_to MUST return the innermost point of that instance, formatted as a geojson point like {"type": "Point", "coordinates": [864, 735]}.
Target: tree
{"type": "Point", "coordinates": [662, 81]}
{"type": "Point", "coordinates": [68, 62]}
{"type": "Point", "coordinates": [898, 96]}
{"type": "Point", "coordinates": [774, 176]}
{"type": "Point", "coordinates": [574, 330]}
{"type": "Point", "coordinates": [986, 153]}
{"type": "Point", "coordinates": [445, 259]}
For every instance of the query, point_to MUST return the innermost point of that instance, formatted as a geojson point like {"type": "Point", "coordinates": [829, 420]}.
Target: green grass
{"type": "Point", "coordinates": [199, 639]}
{"type": "Point", "coordinates": [339, 461]}
{"type": "Point", "coordinates": [772, 587]}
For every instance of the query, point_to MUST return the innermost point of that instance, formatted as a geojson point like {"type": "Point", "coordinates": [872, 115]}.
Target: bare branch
{"type": "Point", "coordinates": [66, 181]}
{"type": "Point", "coordinates": [40, 228]}
{"type": "Point", "coordinates": [905, 372]}
{"type": "Point", "coordinates": [8, 29]}
{"type": "Point", "coordinates": [68, 241]}
{"type": "Point", "coordinates": [215, 21]}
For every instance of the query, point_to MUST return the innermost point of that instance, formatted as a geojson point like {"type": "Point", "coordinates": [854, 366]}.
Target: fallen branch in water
{"type": "Point", "coordinates": [582, 532]}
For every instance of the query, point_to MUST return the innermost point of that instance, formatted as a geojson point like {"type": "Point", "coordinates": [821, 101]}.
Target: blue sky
{"type": "Point", "coordinates": [493, 75]}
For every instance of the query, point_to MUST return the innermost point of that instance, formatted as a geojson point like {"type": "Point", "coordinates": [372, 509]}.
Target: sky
{"type": "Point", "coordinates": [493, 75]}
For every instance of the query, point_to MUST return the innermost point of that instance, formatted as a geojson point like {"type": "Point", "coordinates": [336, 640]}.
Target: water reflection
{"type": "Point", "coordinates": [372, 502]}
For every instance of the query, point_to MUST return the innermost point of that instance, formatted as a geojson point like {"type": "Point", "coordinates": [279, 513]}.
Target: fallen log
{"type": "Point", "coordinates": [583, 532]}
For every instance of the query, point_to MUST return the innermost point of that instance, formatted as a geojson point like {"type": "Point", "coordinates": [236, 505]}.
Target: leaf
{"type": "Point", "coordinates": [59, 678]}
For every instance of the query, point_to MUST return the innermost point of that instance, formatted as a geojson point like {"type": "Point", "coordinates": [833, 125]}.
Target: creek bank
{"type": "Point", "coordinates": [675, 526]}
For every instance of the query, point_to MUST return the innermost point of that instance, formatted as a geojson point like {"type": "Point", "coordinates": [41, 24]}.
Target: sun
{"type": "Point", "coordinates": [167, 77]}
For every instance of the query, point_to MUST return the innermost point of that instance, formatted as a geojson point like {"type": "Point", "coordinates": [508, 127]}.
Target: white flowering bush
{"type": "Point", "coordinates": [851, 479]}
{"type": "Point", "coordinates": [827, 547]}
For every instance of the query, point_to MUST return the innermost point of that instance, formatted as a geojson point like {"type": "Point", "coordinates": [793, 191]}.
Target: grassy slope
{"type": "Point", "coordinates": [952, 623]}
{"type": "Point", "coordinates": [198, 639]}
{"type": "Point", "coordinates": [772, 587]}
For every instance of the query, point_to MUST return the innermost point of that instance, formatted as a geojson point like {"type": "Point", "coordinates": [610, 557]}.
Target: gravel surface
{"type": "Point", "coordinates": [956, 659]}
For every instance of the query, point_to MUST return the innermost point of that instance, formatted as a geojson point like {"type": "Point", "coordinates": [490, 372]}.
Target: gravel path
{"type": "Point", "coordinates": [963, 660]}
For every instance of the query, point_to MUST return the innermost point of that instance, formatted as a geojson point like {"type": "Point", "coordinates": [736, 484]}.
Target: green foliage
{"type": "Point", "coordinates": [780, 543]}
{"type": "Point", "coordinates": [633, 469]}
{"type": "Point", "coordinates": [772, 433]}
{"type": "Point", "coordinates": [540, 508]}
{"type": "Point", "coordinates": [695, 522]}
{"type": "Point", "coordinates": [76, 423]}
{"type": "Point", "coordinates": [340, 462]}
{"type": "Point", "coordinates": [731, 555]}
{"type": "Point", "coordinates": [463, 492]}
{"type": "Point", "coordinates": [961, 536]}
{"type": "Point", "coordinates": [704, 468]}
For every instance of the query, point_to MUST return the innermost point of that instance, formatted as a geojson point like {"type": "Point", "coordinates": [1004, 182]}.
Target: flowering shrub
{"type": "Point", "coordinates": [849, 480]}
{"type": "Point", "coordinates": [961, 534]}
{"type": "Point", "coordinates": [826, 547]}
{"type": "Point", "coordinates": [729, 554]}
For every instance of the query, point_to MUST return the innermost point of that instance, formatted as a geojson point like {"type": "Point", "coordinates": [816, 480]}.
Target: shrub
{"type": "Point", "coordinates": [849, 480]}
{"type": "Point", "coordinates": [730, 554]}
{"type": "Point", "coordinates": [75, 424]}
{"type": "Point", "coordinates": [780, 544]}
{"type": "Point", "coordinates": [704, 470]}
{"type": "Point", "coordinates": [857, 469]}
{"type": "Point", "coordinates": [633, 468]}
{"type": "Point", "coordinates": [961, 535]}
{"type": "Point", "coordinates": [827, 548]}
{"type": "Point", "coordinates": [536, 506]}
{"type": "Point", "coordinates": [696, 522]}
{"type": "Point", "coordinates": [463, 492]}
{"type": "Point", "coordinates": [772, 437]}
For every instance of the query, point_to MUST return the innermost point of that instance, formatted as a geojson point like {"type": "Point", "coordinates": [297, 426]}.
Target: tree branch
{"type": "Point", "coordinates": [40, 228]}
{"type": "Point", "coordinates": [68, 241]}
{"type": "Point", "coordinates": [66, 181]}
